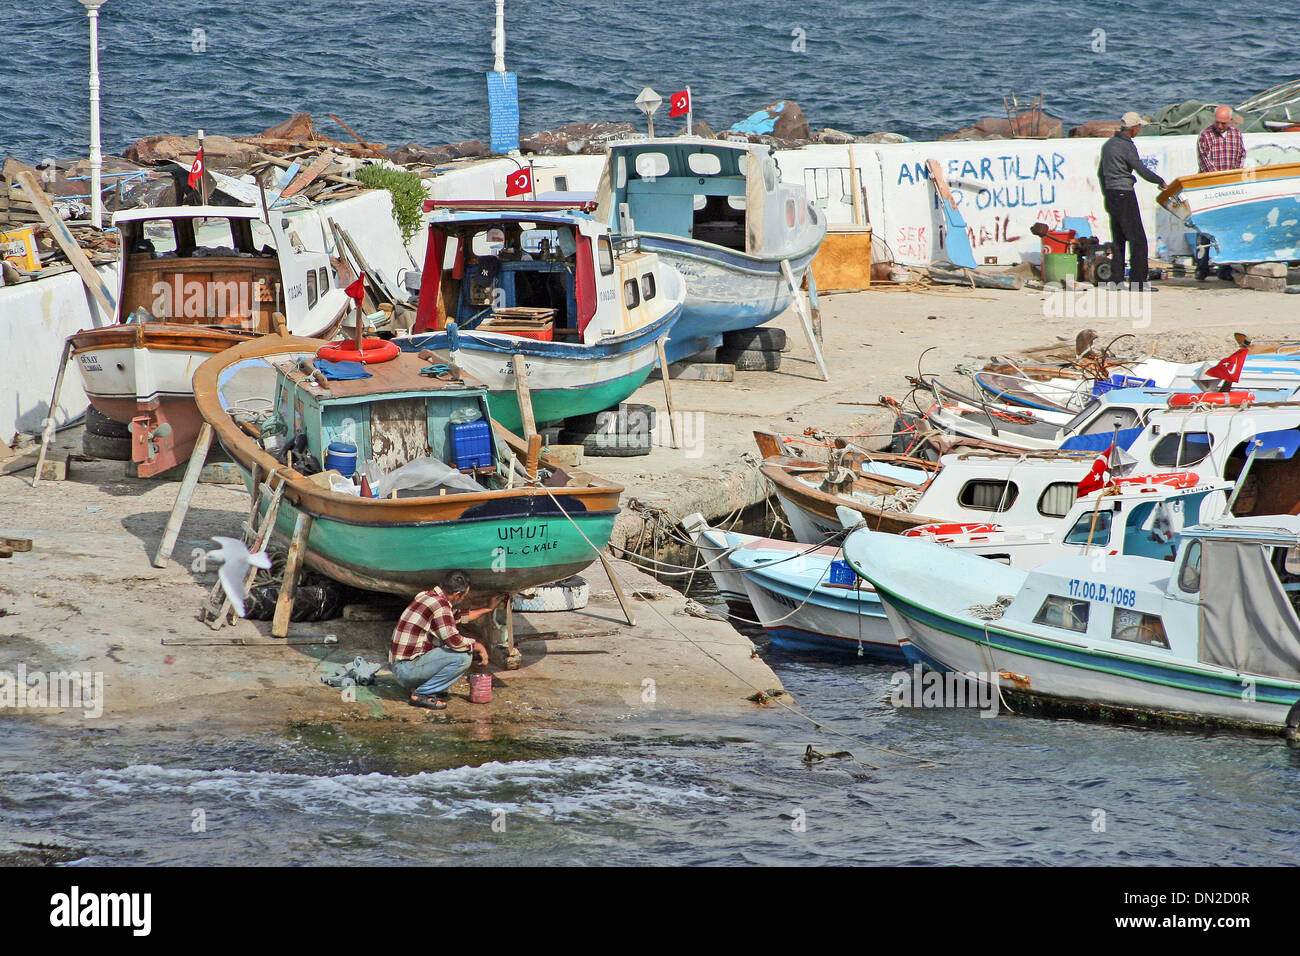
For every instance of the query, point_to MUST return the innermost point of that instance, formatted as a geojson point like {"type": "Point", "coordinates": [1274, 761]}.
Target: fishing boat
{"type": "Point", "coordinates": [1211, 637]}
{"type": "Point", "coordinates": [454, 498]}
{"type": "Point", "coordinates": [584, 309]}
{"type": "Point", "coordinates": [193, 281]}
{"type": "Point", "coordinates": [1248, 215]}
{"type": "Point", "coordinates": [894, 492]}
{"type": "Point", "coordinates": [808, 599]}
{"type": "Point", "coordinates": [718, 212]}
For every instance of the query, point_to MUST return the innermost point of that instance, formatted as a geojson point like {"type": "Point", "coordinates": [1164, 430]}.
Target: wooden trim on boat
{"type": "Point", "coordinates": [1226, 176]}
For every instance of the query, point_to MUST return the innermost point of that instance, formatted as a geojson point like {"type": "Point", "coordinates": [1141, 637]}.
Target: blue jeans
{"type": "Point", "coordinates": [433, 671]}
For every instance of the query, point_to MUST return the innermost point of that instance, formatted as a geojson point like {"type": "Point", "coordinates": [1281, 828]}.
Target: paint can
{"type": "Point", "coordinates": [480, 688]}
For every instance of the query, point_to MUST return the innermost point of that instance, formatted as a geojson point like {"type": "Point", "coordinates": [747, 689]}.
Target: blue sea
{"type": "Point", "coordinates": [411, 70]}
{"type": "Point", "coordinates": [1014, 789]}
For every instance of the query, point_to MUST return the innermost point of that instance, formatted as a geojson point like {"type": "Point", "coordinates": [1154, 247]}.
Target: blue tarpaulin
{"type": "Point", "coordinates": [1100, 441]}
{"type": "Point", "coordinates": [341, 371]}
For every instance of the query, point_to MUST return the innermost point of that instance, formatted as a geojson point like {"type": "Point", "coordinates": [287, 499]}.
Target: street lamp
{"type": "Point", "coordinates": [96, 156]}
{"type": "Point", "coordinates": [647, 102]}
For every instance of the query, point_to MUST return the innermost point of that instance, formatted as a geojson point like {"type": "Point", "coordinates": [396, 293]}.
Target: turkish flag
{"type": "Point", "coordinates": [196, 171]}
{"type": "Point", "coordinates": [680, 104]}
{"type": "Point", "coordinates": [1230, 369]}
{"type": "Point", "coordinates": [1098, 475]}
{"type": "Point", "coordinates": [357, 290]}
{"type": "Point", "coordinates": [519, 183]}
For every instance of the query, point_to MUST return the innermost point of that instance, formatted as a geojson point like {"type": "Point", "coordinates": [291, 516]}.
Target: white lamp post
{"type": "Point", "coordinates": [96, 156]}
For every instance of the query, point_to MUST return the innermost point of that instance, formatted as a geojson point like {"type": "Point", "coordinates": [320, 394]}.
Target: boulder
{"type": "Point", "coordinates": [299, 126]}
{"type": "Point", "coordinates": [783, 120]}
{"type": "Point", "coordinates": [699, 128]}
{"type": "Point", "coordinates": [572, 138]}
{"type": "Point", "coordinates": [219, 150]}
{"type": "Point", "coordinates": [1270, 270]}
{"type": "Point", "coordinates": [1096, 128]}
{"type": "Point", "coordinates": [412, 153]}
{"type": "Point", "coordinates": [884, 137]}
{"type": "Point", "coordinates": [1258, 283]}
{"type": "Point", "coordinates": [834, 136]}
{"type": "Point", "coordinates": [471, 147]}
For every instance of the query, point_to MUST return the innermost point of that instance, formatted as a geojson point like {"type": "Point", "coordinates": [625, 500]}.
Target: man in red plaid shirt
{"type": "Point", "coordinates": [428, 653]}
{"type": "Point", "coordinates": [1219, 147]}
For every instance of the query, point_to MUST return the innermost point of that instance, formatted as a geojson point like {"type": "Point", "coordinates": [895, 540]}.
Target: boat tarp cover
{"type": "Point", "coordinates": [1247, 622]}
{"type": "Point", "coordinates": [1100, 441]}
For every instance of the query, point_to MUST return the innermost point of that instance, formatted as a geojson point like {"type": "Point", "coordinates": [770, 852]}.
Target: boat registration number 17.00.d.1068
{"type": "Point", "coordinates": [1095, 591]}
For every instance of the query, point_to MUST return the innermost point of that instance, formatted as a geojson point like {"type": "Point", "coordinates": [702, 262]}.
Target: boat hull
{"type": "Point", "coordinates": [564, 379]}
{"type": "Point", "coordinates": [726, 290]}
{"type": "Point", "coordinates": [1080, 677]}
{"type": "Point", "coordinates": [1252, 214]}
{"type": "Point", "coordinates": [142, 376]}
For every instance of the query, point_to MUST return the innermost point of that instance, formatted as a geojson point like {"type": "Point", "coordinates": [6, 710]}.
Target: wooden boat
{"type": "Point", "coordinates": [1211, 637]}
{"type": "Point", "coordinates": [794, 591]}
{"type": "Point", "coordinates": [718, 212]}
{"type": "Point", "coordinates": [585, 311]}
{"type": "Point", "coordinates": [894, 492]}
{"type": "Point", "coordinates": [511, 535]}
{"type": "Point", "coordinates": [193, 280]}
{"type": "Point", "coordinates": [1250, 215]}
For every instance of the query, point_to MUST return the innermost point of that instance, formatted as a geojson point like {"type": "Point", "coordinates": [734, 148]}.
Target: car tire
{"type": "Point", "coordinates": [750, 360]}
{"type": "Point", "coordinates": [765, 338]}
{"type": "Point", "coordinates": [630, 417]}
{"type": "Point", "coordinates": [105, 446]}
{"type": "Point", "coordinates": [610, 446]}
{"type": "Point", "coordinates": [97, 423]}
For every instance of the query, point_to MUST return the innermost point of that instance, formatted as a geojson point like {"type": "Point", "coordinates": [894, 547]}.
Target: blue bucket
{"type": "Point", "coordinates": [842, 572]}
{"type": "Point", "coordinates": [341, 456]}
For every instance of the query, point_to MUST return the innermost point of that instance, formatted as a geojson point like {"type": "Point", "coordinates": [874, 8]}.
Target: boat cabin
{"type": "Point", "coordinates": [545, 275]}
{"type": "Point", "coordinates": [220, 267]}
{"type": "Point", "coordinates": [710, 191]}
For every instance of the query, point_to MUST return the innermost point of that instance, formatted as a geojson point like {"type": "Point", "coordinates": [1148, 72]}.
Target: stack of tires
{"type": "Point", "coordinates": [624, 431]}
{"type": "Point", "coordinates": [105, 438]}
{"type": "Point", "coordinates": [753, 350]}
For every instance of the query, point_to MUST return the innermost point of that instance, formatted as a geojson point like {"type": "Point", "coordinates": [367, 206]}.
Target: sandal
{"type": "Point", "coordinates": [432, 703]}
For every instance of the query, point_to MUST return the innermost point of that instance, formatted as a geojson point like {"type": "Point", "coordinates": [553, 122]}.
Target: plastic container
{"type": "Point", "coordinates": [471, 444]}
{"type": "Point", "coordinates": [1057, 241]}
{"type": "Point", "coordinates": [1058, 266]}
{"type": "Point", "coordinates": [842, 572]}
{"type": "Point", "coordinates": [341, 456]}
{"type": "Point", "coordinates": [480, 688]}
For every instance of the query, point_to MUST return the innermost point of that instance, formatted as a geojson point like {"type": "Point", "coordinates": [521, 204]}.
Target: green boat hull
{"type": "Point", "coordinates": [554, 404]}
{"type": "Point", "coordinates": [500, 553]}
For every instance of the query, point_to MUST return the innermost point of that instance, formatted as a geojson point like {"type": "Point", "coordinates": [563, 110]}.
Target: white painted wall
{"type": "Point", "coordinates": [35, 318]}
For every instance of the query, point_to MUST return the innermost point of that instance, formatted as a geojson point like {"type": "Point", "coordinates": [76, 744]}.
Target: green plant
{"type": "Point", "coordinates": [407, 190]}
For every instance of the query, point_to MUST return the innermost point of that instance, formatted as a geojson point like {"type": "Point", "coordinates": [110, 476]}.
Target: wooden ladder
{"type": "Point", "coordinates": [217, 611]}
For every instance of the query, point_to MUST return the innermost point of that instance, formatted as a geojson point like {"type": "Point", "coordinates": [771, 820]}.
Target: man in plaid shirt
{"type": "Point", "coordinates": [1219, 147]}
{"type": "Point", "coordinates": [428, 653]}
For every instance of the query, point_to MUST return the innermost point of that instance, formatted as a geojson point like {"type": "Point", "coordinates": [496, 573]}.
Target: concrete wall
{"type": "Point", "coordinates": [35, 318]}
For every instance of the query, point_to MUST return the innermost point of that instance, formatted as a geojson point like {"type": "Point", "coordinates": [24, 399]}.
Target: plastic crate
{"type": "Point", "coordinates": [842, 572]}
{"type": "Point", "coordinates": [471, 444]}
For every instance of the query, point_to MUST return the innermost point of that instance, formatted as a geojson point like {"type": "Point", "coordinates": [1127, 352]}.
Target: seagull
{"type": "Point", "coordinates": [235, 561]}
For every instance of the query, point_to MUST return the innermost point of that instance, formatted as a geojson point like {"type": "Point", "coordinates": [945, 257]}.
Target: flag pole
{"type": "Point", "coordinates": [532, 181]}
{"type": "Point", "coordinates": [690, 110]}
{"type": "Point", "coordinates": [203, 174]}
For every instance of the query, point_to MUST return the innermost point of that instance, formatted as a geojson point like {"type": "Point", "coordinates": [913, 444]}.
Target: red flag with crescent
{"type": "Point", "coordinates": [519, 183]}
{"type": "Point", "coordinates": [680, 104]}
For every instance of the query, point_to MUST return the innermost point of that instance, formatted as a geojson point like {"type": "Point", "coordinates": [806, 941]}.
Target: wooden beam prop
{"type": "Point", "coordinates": [519, 364]}
{"type": "Point", "coordinates": [668, 389]}
{"type": "Point", "coordinates": [94, 283]}
{"type": "Point", "coordinates": [801, 306]}
{"type": "Point", "coordinates": [289, 582]}
{"type": "Point", "coordinates": [183, 495]}
{"type": "Point", "coordinates": [47, 433]}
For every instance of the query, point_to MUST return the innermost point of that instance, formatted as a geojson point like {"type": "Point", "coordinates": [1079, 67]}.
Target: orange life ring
{"type": "Point", "coordinates": [373, 351]}
{"type": "Point", "coordinates": [1185, 399]}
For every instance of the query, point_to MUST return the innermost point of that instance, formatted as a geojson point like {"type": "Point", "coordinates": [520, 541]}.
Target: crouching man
{"type": "Point", "coordinates": [428, 653]}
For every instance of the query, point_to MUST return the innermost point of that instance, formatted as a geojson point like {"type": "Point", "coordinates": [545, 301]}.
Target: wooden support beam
{"type": "Point", "coordinates": [668, 389]}
{"type": "Point", "coordinates": [618, 591]}
{"type": "Point", "coordinates": [94, 283]}
{"type": "Point", "coordinates": [47, 433]}
{"type": "Point", "coordinates": [289, 582]}
{"type": "Point", "coordinates": [534, 455]}
{"type": "Point", "coordinates": [183, 495]}
{"type": "Point", "coordinates": [525, 397]}
{"type": "Point", "coordinates": [805, 319]}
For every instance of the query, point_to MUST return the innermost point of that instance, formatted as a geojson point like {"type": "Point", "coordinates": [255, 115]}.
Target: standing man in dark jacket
{"type": "Point", "coordinates": [1119, 161]}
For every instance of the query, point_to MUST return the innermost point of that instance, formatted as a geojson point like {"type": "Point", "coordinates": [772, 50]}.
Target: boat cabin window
{"type": "Point", "coordinates": [648, 286]}
{"type": "Point", "coordinates": [1100, 534]}
{"type": "Point", "coordinates": [1139, 628]}
{"type": "Point", "coordinates": [1070, 614]}
{"type": "Point", "coordinates": [1189, 575]}
{"type": "Point", "coordinates": [606, 255]}
{"type": "Point", "coordinates": [312, 294]}
{"type": "Point", "coordinates": [1179, 449]}
{"type": "Point", "coordinates": [1105, 422]}
{"type": "Point", "coordinates": [631, 295]}
{"type": "Point", "coordinates": [736, 202]}
{"type": "Point", "coordinates": [155, 237]}
{"type": "Point", "coordinates": [561, 184]}
{"type": "Point", "coordinates": [651, 165]}
{"type": "Point", "coordinates": [1057, 499]}
{"type": "Point", "coordinates": [986, 495]}
{"type": "Point", "coordinates": [704, 164]}
{"type": "Point", "coordinates": [324, 274]}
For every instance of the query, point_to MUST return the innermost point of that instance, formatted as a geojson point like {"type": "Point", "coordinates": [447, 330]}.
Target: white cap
{"type": "Point", "coordinates": [1131, 119]}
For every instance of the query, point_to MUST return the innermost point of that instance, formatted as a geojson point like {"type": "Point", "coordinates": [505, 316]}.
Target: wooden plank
{"type": "Point", "coordinates": [183, 496]}
{"type": "Point", "coordinates": [55, 467]}
{"type": "Point", "coordinates": [47, 433]}
{"type": "Point", "coordinates": [522, 393]}
{"type": "Point", "coordinates": [289, 582]}
{"type": "Point", "coordinates": [805, 318]}
{"type": "Point", "coordinates": [668, 389]}
{"type": "Point", "coordinates": [308, 175]}
{"type": "Point", "coordinates": [698, 372]}
{"type": "Point", "coordinates": [94, 283]}
{"type": "Point", "coordinates": [295, 640]}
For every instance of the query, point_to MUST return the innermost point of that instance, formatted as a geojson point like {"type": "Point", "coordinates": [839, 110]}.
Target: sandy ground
{"type": "Point", "coordinates": [87, 598]}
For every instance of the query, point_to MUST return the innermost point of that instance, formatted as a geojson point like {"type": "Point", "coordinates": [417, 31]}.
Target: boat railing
{"type": "Point", "coordinates": [625, 245]}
